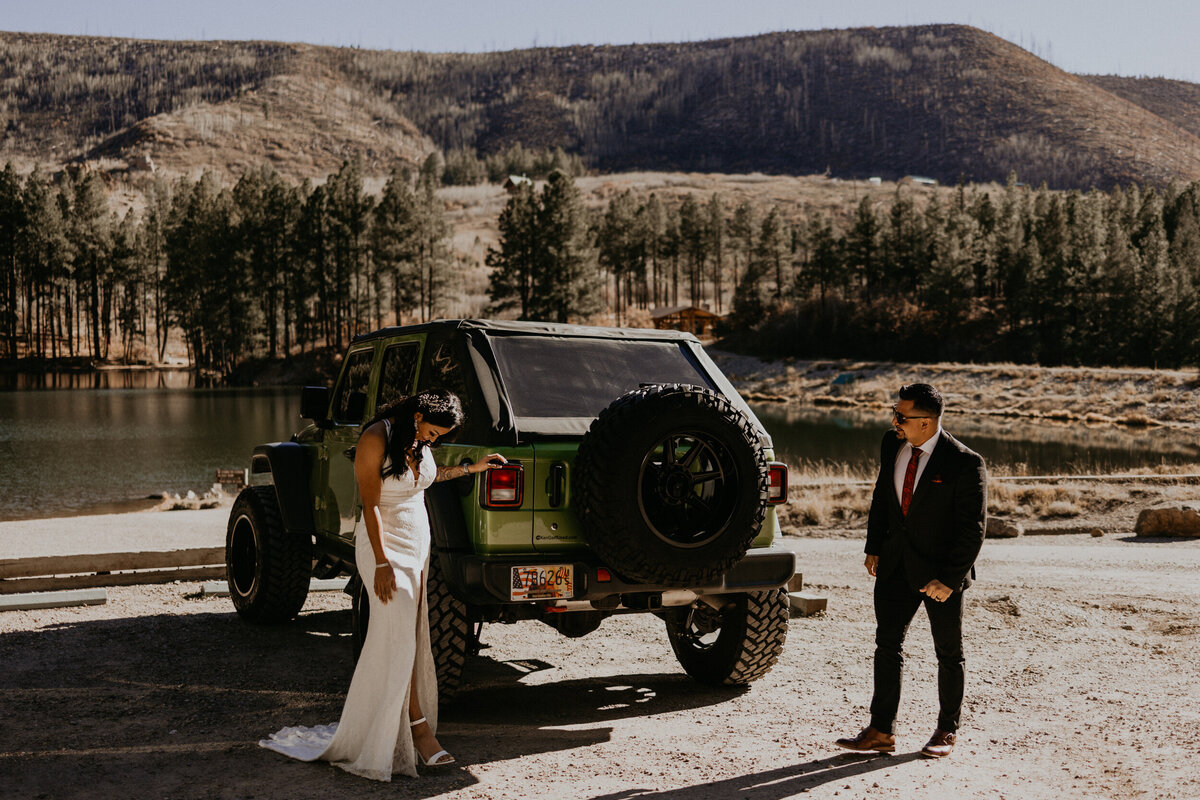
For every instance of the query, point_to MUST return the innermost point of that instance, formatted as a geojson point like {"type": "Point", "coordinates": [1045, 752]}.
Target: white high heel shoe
{"type": "Point", "coordinates": [436, 759]}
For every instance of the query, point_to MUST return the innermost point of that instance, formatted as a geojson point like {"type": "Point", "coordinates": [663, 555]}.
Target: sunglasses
{"type": "Point", "coordinates": [901, 419]}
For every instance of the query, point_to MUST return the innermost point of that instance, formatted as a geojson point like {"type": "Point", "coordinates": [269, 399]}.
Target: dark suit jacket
{"type": "Point", "coordinates": [943, 532]}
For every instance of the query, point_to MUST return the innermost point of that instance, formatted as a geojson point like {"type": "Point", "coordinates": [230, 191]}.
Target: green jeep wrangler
{"type": "Point", "coordinates": [638, 481]}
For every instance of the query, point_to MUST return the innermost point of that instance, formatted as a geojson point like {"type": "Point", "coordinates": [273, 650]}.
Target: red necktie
{"type": "Point", "coordinates": [910, 478]}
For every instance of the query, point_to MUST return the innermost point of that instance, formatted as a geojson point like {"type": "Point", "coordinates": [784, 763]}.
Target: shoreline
{"type": "Point", "coordinates": [130, 506]}
{"type": "Point", "coordinates": [1125, 397]}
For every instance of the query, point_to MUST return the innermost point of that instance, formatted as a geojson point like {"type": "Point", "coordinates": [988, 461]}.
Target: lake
{"type": "Point", "coordinates": [76, 451]}
{"type": "Point", "coordinates": [1015, 444]}
{"type": "Point", "coordinates": [80, 450]}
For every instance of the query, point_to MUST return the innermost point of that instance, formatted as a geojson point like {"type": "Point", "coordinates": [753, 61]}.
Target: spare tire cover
{"type": "Point", "coordinates": [671, 485]}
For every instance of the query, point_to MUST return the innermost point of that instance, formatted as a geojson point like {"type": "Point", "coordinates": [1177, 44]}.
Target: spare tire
{"type": "Point", "coordinates": [671, 485]}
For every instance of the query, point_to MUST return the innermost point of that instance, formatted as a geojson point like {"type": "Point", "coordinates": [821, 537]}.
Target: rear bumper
{"type": "Point", "coordinates": [487, 582]}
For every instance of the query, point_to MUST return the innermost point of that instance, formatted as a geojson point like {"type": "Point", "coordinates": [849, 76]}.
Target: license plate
{"type": "Point", "coordinates": [554, 582]}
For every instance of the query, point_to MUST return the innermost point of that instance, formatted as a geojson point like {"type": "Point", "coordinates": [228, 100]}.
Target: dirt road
{"type": "Point", "coordinates": [1083, 666]}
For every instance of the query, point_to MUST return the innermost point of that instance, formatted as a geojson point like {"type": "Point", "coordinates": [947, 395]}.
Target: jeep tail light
{"type": "Point", "coordinates": [505, 487]}
{"type": "Point", "coordinates": [777, 494]}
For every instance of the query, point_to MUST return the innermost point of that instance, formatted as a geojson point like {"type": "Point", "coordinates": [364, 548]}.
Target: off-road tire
{"type": "Point", "coordinates": [636, 519]}
{"type": "Point", "coordinates": [753, 628]}
{"type": "Point", "coordinates": [267, 568]}
{"type": "Point", "coordinates": [450, 634]}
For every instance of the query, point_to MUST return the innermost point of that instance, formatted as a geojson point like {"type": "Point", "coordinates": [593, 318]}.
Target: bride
{"type": "Point", "coordinates": [389, 720]}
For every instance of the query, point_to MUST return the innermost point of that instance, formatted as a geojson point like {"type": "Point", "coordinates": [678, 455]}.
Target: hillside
{"type": "Point", "coordinates": [225, 106]}
{"type": "Point", "coordinates": [1175, 101]}
{"type": "Point", "coordinates": [944, 101]}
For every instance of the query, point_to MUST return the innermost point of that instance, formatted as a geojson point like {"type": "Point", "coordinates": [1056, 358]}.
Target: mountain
{"type": "Point", "coordinates": [942, 100]}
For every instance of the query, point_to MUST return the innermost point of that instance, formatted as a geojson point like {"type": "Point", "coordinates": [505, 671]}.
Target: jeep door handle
{"type": "Point", "coordinates": [556, 484]}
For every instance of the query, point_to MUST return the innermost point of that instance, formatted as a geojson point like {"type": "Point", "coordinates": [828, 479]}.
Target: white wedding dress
{"type": "Point", "coordinates": [373, 738]}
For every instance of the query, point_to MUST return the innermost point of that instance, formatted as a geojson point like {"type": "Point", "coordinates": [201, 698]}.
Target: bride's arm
{"type": "Point", "coordinates": [368, 464]}
{"type": "Point", "coordinates": [492, 461]}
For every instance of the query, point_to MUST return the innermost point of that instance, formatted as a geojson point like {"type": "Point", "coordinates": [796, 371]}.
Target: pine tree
{"type": "Point", "coordinates": [824, 270]}
{"type": "Point", "coordinates": [741, 234]}
{"type": "Point", "coordinates": [862, 249]}
{"type": "Point", "coordinates": [432, 257]}
{"type": "Point", "coordinates": [393, 242]}
{"type": "Point", "coordinates": [772, 251]}
{"type": "Point", "coordinates": [43, 252]}
{"type": "Point", "coordinates": [569, 283]}
{"type": "Point", "coordinates": [12, 222]}
{"type": "Point", "coordinates": [267, 211]}
{"type": "Point", "coordinates": [715, 229]}
{"type": "Point", "coordinates": [654, 227]}
{"type": "Point", "coordinates": [91, 234]}
{"type": "Point", "coordinates": [620, 246]}
{"type": "Point", "coordinates": [693, 243]}
{"type": "Point", "coordinates": [514, 263]}
{"type": "Point", "coordinates": [208, 292]}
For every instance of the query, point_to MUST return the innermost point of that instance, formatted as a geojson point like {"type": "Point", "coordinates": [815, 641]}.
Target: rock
{"type": "Point", "coordinates": [1002, 604]}
{"type": "Point", "coordinates": [1002, 529]}
{"type": "Point", "coordinates": [805, 605]}
{"type": "Point", "coordinates": [1097, 533]}
{"type": "Point", "coordinates": [1173, 521]}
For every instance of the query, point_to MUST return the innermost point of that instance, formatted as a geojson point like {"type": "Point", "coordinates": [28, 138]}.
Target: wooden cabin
{"type": "Point", "coordinates": [691, 319]}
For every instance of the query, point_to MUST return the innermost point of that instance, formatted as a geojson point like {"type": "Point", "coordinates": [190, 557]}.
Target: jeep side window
{"type": "Point", "coordinates": [397, 373]}
{"type": "Point", "coordinates": [355, 379]}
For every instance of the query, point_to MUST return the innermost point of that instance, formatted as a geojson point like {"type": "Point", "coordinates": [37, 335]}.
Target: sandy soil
{"type": "Point", "coordinates": [114, 533]}
{"type": "Point", "coordinates": [1082, 683]}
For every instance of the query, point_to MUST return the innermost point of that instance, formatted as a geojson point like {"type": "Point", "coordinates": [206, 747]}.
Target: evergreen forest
{"type": "Point", "coordinates": [268, 268]}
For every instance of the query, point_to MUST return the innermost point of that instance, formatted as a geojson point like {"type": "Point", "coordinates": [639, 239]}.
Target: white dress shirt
{"type": "Point", "coordinates": [905, 453]}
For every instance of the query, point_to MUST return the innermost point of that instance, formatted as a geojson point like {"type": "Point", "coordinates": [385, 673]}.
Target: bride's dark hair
{"type": "Point", "coordinates": [437, 406]}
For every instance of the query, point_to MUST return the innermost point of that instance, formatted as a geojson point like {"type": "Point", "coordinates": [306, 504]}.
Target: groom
{"type": "Point", "coordinates": [924, 532]}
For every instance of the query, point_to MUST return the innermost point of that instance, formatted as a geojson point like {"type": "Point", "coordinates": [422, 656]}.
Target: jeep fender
{"type": "Point", "coordinates": [289, 465]}
{"type": "Point", "coordinates": [447, 524]}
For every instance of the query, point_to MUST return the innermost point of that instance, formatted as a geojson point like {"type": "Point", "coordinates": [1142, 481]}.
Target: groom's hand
{"type": "Point", "coordinates": [937, 590]}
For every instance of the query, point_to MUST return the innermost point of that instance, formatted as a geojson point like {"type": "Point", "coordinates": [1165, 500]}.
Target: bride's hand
{"type": "Point", "coordinates": [385, 583]}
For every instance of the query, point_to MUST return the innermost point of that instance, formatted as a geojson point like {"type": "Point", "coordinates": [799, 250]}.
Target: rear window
{"type": "Point", "coordinates": [549, 377]}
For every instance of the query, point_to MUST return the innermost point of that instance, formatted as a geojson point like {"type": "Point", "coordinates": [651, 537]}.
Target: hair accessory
{"type": "Point", "coordinates": [436, 403]}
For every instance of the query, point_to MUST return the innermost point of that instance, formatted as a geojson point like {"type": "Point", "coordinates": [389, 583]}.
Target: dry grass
{"type": "Point", "coordinates": [828, 505]}
{"type": "Point", "coordinates": [837, 497]}
{"type": "Point", "coordinates": [1132, 398]}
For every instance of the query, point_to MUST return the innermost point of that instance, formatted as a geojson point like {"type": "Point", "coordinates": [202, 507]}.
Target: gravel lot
{"type": "Point", "coordinates": [1083, 677]}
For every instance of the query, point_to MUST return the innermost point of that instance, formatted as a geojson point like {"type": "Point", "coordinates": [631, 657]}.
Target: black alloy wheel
{"type": "Point", "coordinates": [687, 489]}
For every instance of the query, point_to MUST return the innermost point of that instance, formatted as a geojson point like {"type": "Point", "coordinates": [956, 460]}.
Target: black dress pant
{"type": "Point", "coordinates": [895, 605]}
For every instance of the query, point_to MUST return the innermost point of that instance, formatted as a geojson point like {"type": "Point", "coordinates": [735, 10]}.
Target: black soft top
{"type": "Point", "coordinates": [521, 381]}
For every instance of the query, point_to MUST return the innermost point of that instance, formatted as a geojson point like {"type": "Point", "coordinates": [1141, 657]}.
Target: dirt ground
{"type": "Point", "coordinates": [1082, 654]}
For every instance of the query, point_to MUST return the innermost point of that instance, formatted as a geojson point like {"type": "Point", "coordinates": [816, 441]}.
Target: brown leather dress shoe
{"type": "Point", "coordinates": [870, 739]}
{"type": "Point", "coordinates": [939, 745]}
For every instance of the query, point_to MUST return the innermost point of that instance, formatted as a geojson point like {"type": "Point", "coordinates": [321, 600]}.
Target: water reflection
{"type": "Point", "coordinates": [73, 451]}
{"type": "Point", "coordinates": [119, 378]}
{"type": "Point", "coordinates": [807, 436]}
